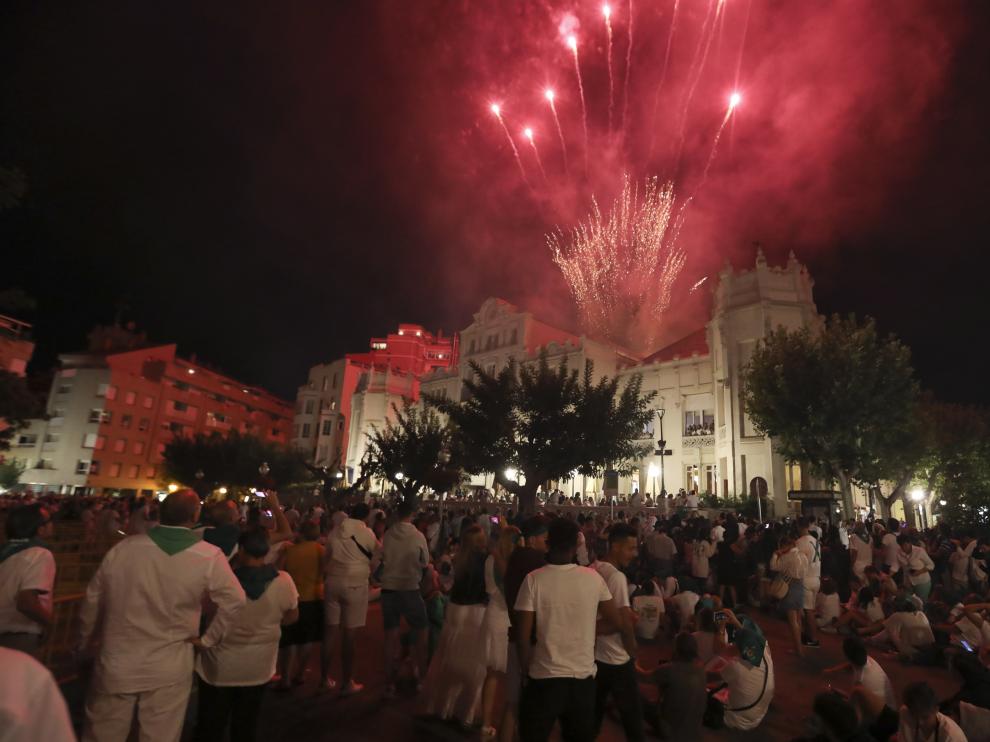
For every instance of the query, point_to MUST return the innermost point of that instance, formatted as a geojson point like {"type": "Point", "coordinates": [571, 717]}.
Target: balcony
{"type": "Point", "coordinates": [698, 441]}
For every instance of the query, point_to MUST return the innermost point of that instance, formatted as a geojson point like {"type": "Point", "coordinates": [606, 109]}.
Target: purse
{"type": "Point", "coordinates": [779, 587]}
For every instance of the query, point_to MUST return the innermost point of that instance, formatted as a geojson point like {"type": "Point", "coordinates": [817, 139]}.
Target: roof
{"type": "Point", "coordinates": [695, 343]}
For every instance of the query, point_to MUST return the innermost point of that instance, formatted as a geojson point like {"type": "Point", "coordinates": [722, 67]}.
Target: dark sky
{"type": "Point", "coordinates": [271, 184]}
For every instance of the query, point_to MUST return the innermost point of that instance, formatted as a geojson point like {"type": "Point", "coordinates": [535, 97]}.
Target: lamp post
{"type": "Point", "coordinates": [444, 459]}
{"type": "Point", "coordinates": [918, 495]}
{"type": "Point", "coordinates": [661, 452]}
{"type": "Point", "coordinates": [652, 472]}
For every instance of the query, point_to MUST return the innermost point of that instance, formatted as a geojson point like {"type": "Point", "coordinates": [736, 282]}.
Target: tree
{"type": "Point", "coordinates": [10, 472]}
{"type": "Point", "coordinates": [410, 451]}
{"type": "Point", "coordinates": [841, 400]}
{"type": "Point", "coordinates": [18, 405]}
{"type": "Point", "coordinates": [545, 423]}
{"type": "Point", "coordinates": [232, 460]}
{"type": "Point", "coordinates": [957, 464]}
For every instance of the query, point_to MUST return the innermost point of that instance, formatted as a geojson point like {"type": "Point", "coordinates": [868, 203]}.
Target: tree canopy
{"type": "Point", "coordinates": [842, 400]}
{"type": "Point", "coordinates": [232, 460]}
{"type": "Point", "coordinates": [18, 405]}
{"type": "Point", "coordinates": [546, 423]}
{"type": "Point", "coordinates": [409, 452]}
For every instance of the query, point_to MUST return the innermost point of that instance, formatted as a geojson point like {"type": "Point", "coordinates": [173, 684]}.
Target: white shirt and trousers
{"type": "Point", "coordinates": [31, 569]}
{"type": "Point", "coordinates": [150, 603]}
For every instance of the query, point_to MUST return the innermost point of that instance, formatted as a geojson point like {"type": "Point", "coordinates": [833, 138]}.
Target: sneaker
{"type": "Point", "coordinates": [352, 688]}
{"type": "Point", "coordinates": [811, 643]}
{"type": "Point", "coordinates": [328, 684]}
{"type": "Point", "coordinates": [389, 693]}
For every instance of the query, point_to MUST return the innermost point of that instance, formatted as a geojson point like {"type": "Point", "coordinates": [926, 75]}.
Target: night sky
{"type": "Point", "coordinates": [270, 185]}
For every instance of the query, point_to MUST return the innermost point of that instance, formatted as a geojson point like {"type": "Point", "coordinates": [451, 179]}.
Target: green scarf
{"type": "Point", "coordinates": [255, 580]}
{"type": "Point", "coordinates": [17, 545]}
{"type": "Point", "coordinates": [172, 539]}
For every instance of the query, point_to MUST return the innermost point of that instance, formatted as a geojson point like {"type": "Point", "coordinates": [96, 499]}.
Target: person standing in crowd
{"type": "Point", "coordinates": [496, 627]}
{"type": "Point", "coordinates": [662, 550]}
{"type": "Point", "coordinates": [457, 669]}
{"type": "Point", "coordinates": [233, 674]}
{"type": "Point", "coordinates": [225, 530]}
{"type": "Point", "coordinates": [147, 596]}
{"type": "Point", "coordinates": [32, 708]}
{"type": "Point", "coordinates": [615, 650]}
{"type": "Point", "coordinates": [27, 579]}
{"type": "Point", "coordinates": [888, 546]}
{"type": "Point", "coordinates": [809, 545]}
{"type": "Point", "coordinates": [559, 604]}
{"type": "Point", "coordinates": [405, 554]}
{"type": "Point", "coordinates": [920, 720]}
{"type": "Point", "coordinates": [861, 552]}
{"type": "Point", "coordinates": [304, 563]}
{"type": "Point", "coordinates": [352, 554]}
{"type": "Point", "coordinates": [793, 566]}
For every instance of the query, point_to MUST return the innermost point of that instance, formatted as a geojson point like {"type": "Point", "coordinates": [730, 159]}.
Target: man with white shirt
{"type": "Point", "coordinates": [959, 562]}
{"type": "Point", "coordinates": [558, 605]}
{"type": "Point", "coordinates": [920, 718]}
{"type": "Point", "coordinates": [861, 552]}
{"type": "Point", "coordinates": [147, 596]}
{"type": "Point", "coordinates": [888, 544]}
{"type": "Point", "coordinates": [662, 551]}
{"type": "Point", "coordinates": [615, 651]}
{"type": "Point", "coordinates": [872, 692]}
{"type": "Point", "coordinates": [808, 545]}
{"type": "Point", "coordinates": [918, 566]}
{"type": "Point", "coordinates": [27, 579]}
{"type": "Point", "coordinates": [351, 556]}
{"type": "Point", "coordinates": [718, 531]}
{"type": "Point", "coordinates": [32, 708]}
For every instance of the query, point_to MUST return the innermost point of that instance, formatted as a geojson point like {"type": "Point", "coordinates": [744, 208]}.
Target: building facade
{"type": "Point", "coordinates": [16, 345]}
{"type": "Point", "coordinates": [111, 414]}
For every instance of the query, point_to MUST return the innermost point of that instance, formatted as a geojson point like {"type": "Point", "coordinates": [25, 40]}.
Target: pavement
{"type": "Point", "coordinates": [307, 713]}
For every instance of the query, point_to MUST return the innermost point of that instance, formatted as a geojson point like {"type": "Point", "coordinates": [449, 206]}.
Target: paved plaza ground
{"type": "Point", "coordinates": [307, 714]}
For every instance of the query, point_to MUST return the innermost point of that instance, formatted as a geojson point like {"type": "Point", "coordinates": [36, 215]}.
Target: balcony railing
{"type": "Point", "coordinates": [698, 441]}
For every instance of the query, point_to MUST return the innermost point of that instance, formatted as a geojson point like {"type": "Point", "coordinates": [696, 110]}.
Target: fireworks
{"type": "Point", "coordinates": [496, 109]}
{"type": "Point", "coordinates": [549, 95]}
{"type": "Point", "coordinates": [607, 12]}
{"type": "Point", "coordinates": [528, 133]}
{"type": "Point", "coordinates": [573, 46]}
{"type": "Point", "coordinates": [621, 267]}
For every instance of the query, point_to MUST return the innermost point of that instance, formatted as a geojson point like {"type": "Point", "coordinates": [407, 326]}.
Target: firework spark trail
{"type": "Point", "coordinates": [663, 77]}
{"type": "Point", "coordinates": [742, 43]}
{"type": "Point", "coordinates": [697, 285]}
{"type": "Point", "coordinates": [697, 67]}
{"type": "Point", "coordinates": [549, 95]}
{"type": "Point", "coordinates": [607, 12]}
{"type": "Point", "coordinates": [711, 155]}
{"type": "Point", "coordinates": [625, 84]}
{"type": "Point", "coordinates": [572, 43]}
{"type": "Point", "coordinates": [621, 268]}
{"type": "Point", "coordinates": [528, 133]}
{"type": "Point", "coordinates": [497, 110]}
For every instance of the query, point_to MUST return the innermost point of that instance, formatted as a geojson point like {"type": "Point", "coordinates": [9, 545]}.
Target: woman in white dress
{"type": "Point", "coordinates": [496, 632]}
{"type": "Point", "coordinates": [457, 669]}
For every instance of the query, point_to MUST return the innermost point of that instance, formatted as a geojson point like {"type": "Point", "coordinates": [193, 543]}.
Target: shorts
{"type": "Point", "coordinates": [309, 627]}
{"type": "Point", "coordinates": [347, 602]}
{"type": "Point", "coordinates": [811, 587]}
{"type": "Point", "coordinates": [407, 604]}
{"type": "Point", "coordinates": [794, 598]}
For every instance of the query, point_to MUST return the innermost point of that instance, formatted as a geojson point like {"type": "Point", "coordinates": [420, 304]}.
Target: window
{"type": "Point", "coordinates": [82, 466]}
{"type": "Point", "coordinates": [149, 473]}
{"type": "Point", "coordinates": [181, 386]}
{"type": "Point", "coordinates": [64, 388]}
{"type": "Point", "coordinates": [380, 346]}
{"type": "Point", "coordinates": [95, 415]}
{"type": "Point", "coordinates": [130, 398]}
{"type": "Point", "coordinates": [160, 450]}
{"type": "Point", "coordinates": [180, 406]}
{"type": "Point", "coordinates": [147, 402]}
{"type": "Point", "coordinates": [89, 440]}
{"type": "Point", "coordinates": [334, 385]}
{"type": "Point", "coordinates": [143, 424]}
{"type": "Point", "coordinates": [340, 425]}
{"type": "Point", "coordinates": [176, 428]}
{"type": "Point", "coordinates": [101, 442]}
{"type": "Point", "coordinates": [120, 445]}
{"type": "Point", "coordinates": [295, 431]}
{"type": "Point", "coordinates": [309, 406]}
{"type": "Point", "coordinates": [275, 433]}
{"type": "Point", "coordinates": [102, 389]}
{"type": "Point", "coordinates": [699, 422]}
{"type": "Point", "coordinates": [106, 417]}
{"type": "Point", "coordinates": [305, 430]}
{"type": "Point", "coordinates": [51, 437]}
{"type": "Point", "coordinates": [114, 470]}
{"type": "Point", "coordinates": [58, 412]}
{"type": "Point", "coordinates": [513, 338]}
{"type": "Point", "coordinates": [333, 404]}
{"type": "Point", "coordinates": [132, 471]}
{"type": "Point", "coordinates": [94, 468]}
{"type": "Point", "coordinates": [323, 384]}
{"type": "Point", "coordinates": [125, 421]}
{"type": "Point", "coordinates": [27, 440]}
{"type": "Point", "coordinates": [327, 427]}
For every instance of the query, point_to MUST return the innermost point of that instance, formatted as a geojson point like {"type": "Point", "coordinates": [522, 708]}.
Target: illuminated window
{"type": "Point", "coordinates": [143, 424]}
{"type": "Point", "coordinates": [132, 471]}
{"type": "Point", "coordinates": [120, 445]}
{"type": "Point", "coordinates": [125, 421]}
{"type": "Point", "coordinates": [130, 398]}
{"type": "Point", "coordinates": [147, 402]}
{"type": "Point", "coordinates": [114, 470]}
{"type": "Point", "coordinates": [138, 447]}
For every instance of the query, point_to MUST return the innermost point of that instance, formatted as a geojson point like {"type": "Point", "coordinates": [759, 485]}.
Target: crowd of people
{"type": "Point", "coordinates": [508, 625]}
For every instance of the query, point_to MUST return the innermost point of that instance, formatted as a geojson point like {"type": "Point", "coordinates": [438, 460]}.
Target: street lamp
{"type": "Point", "coordinates": [918, 495]}
{"type": "Point", "coordinates": [264, 469]}
{"type": "Point", "coordinates": [652, 471]}
{"type": "Point", "coordinates": [661, 452]}
{"type": "Point", "coordinates": [399, 476]}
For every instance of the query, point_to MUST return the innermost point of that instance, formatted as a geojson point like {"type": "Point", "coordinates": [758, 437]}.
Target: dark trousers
{"type": "Point", "coordinates": [219, 706]}
{"type": "Point", "coordinates": [619, 681]}
{"type": "Point", "coordinates": [543, 702]}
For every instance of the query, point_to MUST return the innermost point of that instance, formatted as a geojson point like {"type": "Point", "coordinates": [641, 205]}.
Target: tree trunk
{"type": "Point", "coordinates": [847, 497]}
{"type": "Point", "coordinates": [527, 498]}
{"type": "Point", "coordinates": [909, 510]}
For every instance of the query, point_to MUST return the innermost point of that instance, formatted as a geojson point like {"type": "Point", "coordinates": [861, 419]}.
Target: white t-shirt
{"type": "Point", "coordinates": [864, 552]}
{"type": "Point", "coordinates": [742, 529]}
{"type": "Point", "coordinates": [608, 647]}
{"type": "Point", "coordinates": [916, 560]}
{"type": "Point", "coordinates": [31, 706]}
{"type": "Point", "coordinates": [890, 550]}
{"type": "Point", "coordinates": [246, 655]}
{"type": "Point", "coordinates": [30, 569]}
{"type": "Point", "coordinates": [809, 546]}
{"type": "Point", "coordinates": [912, 629]}
{"type": "Point", "coordinates": [702, 551]}
{"type": "Point", "coordinates": [718, 533]}
{"type": "Point", "coordinates": [872, 677]}
{"type": "Point", "coordinates": [960, 561]}
{"type": "Point", "coordinates": [946, 730]}
{"type": "Point", "coordinates": [745, 683]}
{"type": "Point", "coordinates": [827, 606]}
{"type": "Point", "coordinates": [685, 603]}
{"type": "Point", "coordinates": [649, 608]}
{"type": "Point", "coordinates": [691, 501]}
{"type": "Point", "coordinates": [565, 599]}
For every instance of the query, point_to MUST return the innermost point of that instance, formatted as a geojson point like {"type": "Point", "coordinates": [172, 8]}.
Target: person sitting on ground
{"type": "Point", "coordinates": [680, 707]}
{"type": "Point", "coordinates": [872, 692]}
{"type": "Point", "coordinates": [864, 612]}
{"type": "Point", "coordinates": [748, 673]}
{"type": "Point", "coordinates": [920, 720]}
{"type": "Point", "coordinates": [707, 629]}
{"type": "Point", "coordinates": [836, 720]}
{"type": "Point", "coordinates": [648, 605]}
{"type": "Point", "coordinates": [680, 605]}
{"type": "Point", "coordinates": [908, 630]}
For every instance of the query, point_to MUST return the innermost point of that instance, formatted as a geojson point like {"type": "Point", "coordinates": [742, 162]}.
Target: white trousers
{"type": "Point", "coordinates": [160, 714]}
